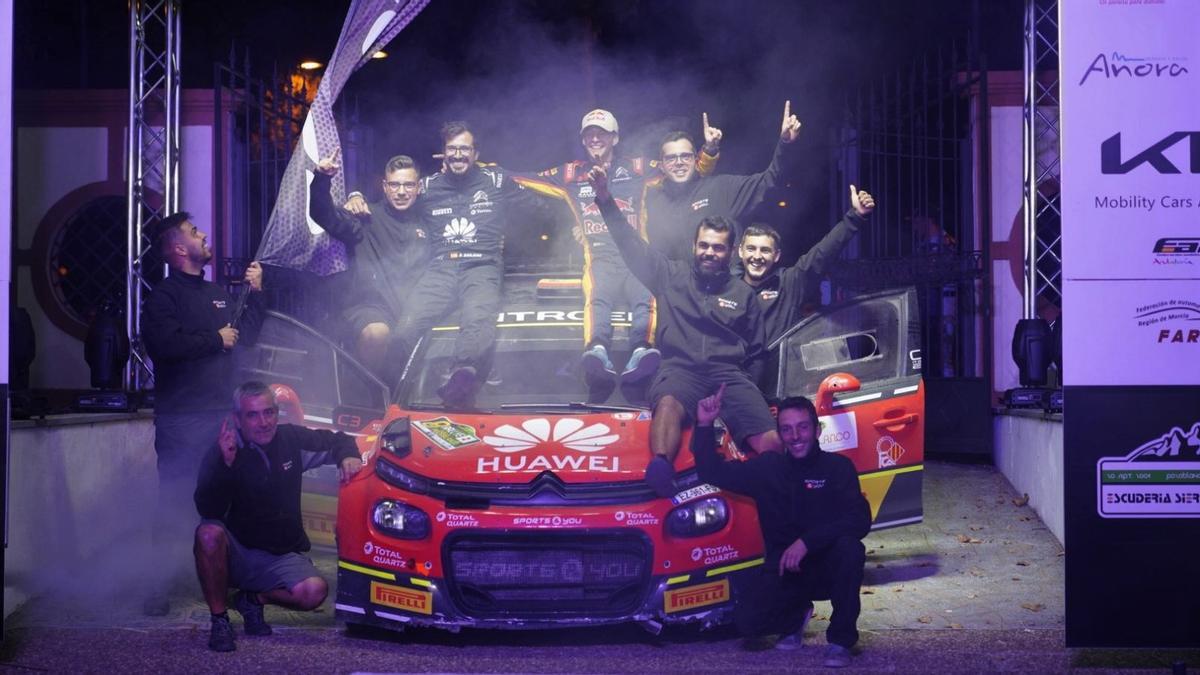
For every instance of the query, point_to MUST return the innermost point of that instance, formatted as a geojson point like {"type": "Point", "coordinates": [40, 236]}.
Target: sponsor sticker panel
{"type": "Point", "coordinates": [1121, 333]}
{"type": "Point", "coordinates": [693, 597]}
{"type": "Point", "coordinates": [1159, 479]}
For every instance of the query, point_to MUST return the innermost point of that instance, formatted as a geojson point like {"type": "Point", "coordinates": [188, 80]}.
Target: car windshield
{"type": "Point", "coordinates": [542, 371]}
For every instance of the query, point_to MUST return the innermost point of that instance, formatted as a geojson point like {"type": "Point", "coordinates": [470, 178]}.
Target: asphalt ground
{"type": "Point", "coordinates": [977, 587]}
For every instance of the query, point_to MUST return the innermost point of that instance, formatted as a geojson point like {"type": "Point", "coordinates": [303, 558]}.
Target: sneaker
{"type": "Point", "coordinates": [459, 387]}
{"type": "Point", "coordinates": [643, 363]}
{"type": "Point", "coordinates": [221, 638]}
{"type": "Point", "coordinates": [660, 475]}
{"type": "Point", "coordinates": [796, 640]}
{"type": "Point", "coordinates": [252, 614]}
{"type": "Point", "coordinates": [836, 656]}
{"type": "Point", "coordinates": [596, 364]}
{"type": "Point", "coordinates": [156, 605]}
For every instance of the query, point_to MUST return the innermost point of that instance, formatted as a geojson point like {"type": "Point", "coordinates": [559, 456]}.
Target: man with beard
{"type": "Point", "coordinates": [606, 280]}
{"type": "Point", "coordinates": [707, 326]}
{"type": "Point", "coordinates": [248, 494]}
{"type": "Point", "coordinates": [387, 246]}
{"type": "Point", "coordinates": [189, 334]}
{"type": "Point", "coordinates": [780, 292]}
{"type": "Point", "coordinates": [813, 517]}
{"type": "Point", "coordinates": [675, 204]}
{"type": "Point", "coordinates": [465, 209]}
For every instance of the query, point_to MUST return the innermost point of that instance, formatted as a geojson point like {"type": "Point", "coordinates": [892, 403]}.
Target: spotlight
{"type": "Point", "coordinates": [545, 237]}
{"type": "Point", "coordinates": [379, 55]}
{"type": "Point", "coordinates": [310, 65]}
{"type": "Point", "coordinates": [783, 205]}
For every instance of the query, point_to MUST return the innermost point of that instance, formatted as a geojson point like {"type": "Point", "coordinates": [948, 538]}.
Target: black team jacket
{"type": "Point", "coordinates": [671, 211]}
{"type": "Point", "coordinates": [193, 372]}
{"type": "Point", "coordinates": [466, 217]}
{"type": "Point", "coordinates": [780, 296]}
{"type": "Point", "coordinates": [701, 322]}
{"type": "Point", "coordinates": [817, 499]}
{"type": "Point", "coordinates": [258, 498]}
{"type": "Point", "coordinates": [389, 248]}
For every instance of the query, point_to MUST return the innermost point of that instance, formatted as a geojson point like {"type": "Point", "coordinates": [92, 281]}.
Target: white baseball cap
{"type": "Point", "coordinates": [599, 118]}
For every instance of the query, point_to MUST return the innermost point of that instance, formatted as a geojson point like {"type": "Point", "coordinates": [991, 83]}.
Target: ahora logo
{"type": "Point", "coordinates": [1116, 65]}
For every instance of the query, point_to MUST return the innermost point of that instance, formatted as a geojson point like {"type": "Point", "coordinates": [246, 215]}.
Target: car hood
{"type": "Point", "coordinates": [490, 448]}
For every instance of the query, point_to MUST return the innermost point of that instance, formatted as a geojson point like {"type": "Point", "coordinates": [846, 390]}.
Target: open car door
{"type": "Point", "coordinates": [860, 363]}
{"type": "Point", "coordinates": [331, 391]}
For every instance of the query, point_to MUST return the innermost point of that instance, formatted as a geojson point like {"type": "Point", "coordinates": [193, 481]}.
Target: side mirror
{"type": "Point", "coordinates": [834, 384]}
{"type": "Point", "coordinates": [288, 402]}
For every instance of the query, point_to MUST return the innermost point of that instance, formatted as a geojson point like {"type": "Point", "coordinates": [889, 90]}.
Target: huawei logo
{"type": "Point", "coordinates": [568, 431]}
{"type": "Point", "coordinates": [459, 231]}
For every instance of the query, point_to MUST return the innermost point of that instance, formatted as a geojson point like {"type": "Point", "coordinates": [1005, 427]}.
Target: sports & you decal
{"type": "Point", "coordinates": [1160, 479]}
{"type": "Point", "coordinates": [448, 434]}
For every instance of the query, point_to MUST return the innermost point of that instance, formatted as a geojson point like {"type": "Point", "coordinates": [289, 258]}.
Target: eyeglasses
{"type": "Point", "coordinates": [393, 186]}
{"type": "Point", "coordinates": [680, 158]}
{"type": "Point", "coordinates": [459, 149]}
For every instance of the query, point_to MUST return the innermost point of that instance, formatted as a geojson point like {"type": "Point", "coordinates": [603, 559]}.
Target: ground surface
{"type": "Point", "coordinates": [976, 587]}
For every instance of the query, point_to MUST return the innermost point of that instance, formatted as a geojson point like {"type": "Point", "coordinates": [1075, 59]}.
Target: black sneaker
{"type": "Point", "coordinates": [221, 638]}
{"type": "Point", "coordinates": [252, 614]}
{"type": "Point", "coordinates": [460, 387]}
{"type": "Point", "coordinates": [660, 475]}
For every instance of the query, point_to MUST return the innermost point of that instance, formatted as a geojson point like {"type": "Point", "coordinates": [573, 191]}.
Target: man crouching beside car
{"type": "Point", "coordinates": [251, 536]}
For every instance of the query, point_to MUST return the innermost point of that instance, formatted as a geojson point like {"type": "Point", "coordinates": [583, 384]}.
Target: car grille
{"type": "Point", "coordinates": [556, 574]}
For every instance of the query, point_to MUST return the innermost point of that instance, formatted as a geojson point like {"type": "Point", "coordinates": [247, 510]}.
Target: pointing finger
{"type": "Point", "coordinates": [705, 117]}
{"type": "Point", "coordinates": [787, 109]}
{"type": "Point", "coordinates": [720, 391]}
{"type": "Point", "coordinates": [853, 191]}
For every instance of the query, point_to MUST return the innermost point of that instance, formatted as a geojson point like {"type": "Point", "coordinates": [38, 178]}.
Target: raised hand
{"type": "Point", "coordinates": [227, 441]}
{"type": "Point", "coordinates": [330, 165]}
{"type": "Point", "coordinates": [712, 137]}
{"type": "Point", "coordinates": [709, 408]}
{"type": "Point", "coordinates": [861, 201]}
{"type": "Point", "coordinates": [254, 276]}
{"type": "Point", "coordinates": [791, 126]}
{"type": "Point", "coordinates": [598, 177]}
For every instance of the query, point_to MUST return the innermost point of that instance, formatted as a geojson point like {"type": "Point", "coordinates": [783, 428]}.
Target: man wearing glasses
{"type": "Point", "coordinates": [465, 208]}
{"type": "Point", "coordinates": [386, 243]}
{"type": "Point", "coordinates": [684, 197]}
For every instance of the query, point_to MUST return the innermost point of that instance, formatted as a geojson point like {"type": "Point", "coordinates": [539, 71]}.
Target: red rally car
{"type": "Point", "coordinates": [529, 509]}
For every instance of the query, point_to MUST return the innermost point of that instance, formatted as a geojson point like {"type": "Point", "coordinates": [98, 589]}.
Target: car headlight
{"type": "Point", "coordinates": [396, 437]}
{"type": "Point", "coordinates": [400, 520]}
{"type": "Point", "coordinates": [698, 518]}
{"type": "Point", "coordinates": [394, 475]}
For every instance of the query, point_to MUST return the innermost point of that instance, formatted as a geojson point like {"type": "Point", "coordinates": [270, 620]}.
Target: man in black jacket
{"type": "Point", "coordinates": [708, 326]}
{"type": "Point", "coordinates": [674, 205]}
{"type": "Point", "coordinates": [813, 518]}
{"type": "Point", "coordinates": [251, 536]}
{"type": "Point", "coordinates": [387, 245]}
{"type": "Point", "coordinates": [780, 291]}
{"type": "Point", "coordinates": [187, 326]}
{"type": "Point", "coordinates": [465, 209]}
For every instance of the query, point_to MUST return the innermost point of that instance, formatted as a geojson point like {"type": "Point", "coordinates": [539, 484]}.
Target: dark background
{"type": "Point", "coordinates": [524, 72]}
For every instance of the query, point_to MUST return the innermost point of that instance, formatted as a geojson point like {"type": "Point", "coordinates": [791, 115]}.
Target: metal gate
{"type": "Point", "coordinates": [912, 139]}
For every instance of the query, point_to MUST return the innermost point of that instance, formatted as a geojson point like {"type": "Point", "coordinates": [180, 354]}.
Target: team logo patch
{"type": "Point", "coordinates": [814, 483]}
{"type": "Point", "coordinates": [441, 212]}
{"type": "Point", "coordinates": [768, 295]}
{"type": "Point", "coordinates": [479, 196]}
{"type": "Point", "coordinates": [219, 304]}
{"type": "Point", "coordinates": [697, 205]}
{"type": "Point", "coordinates": [726, 303]}
{"type": "Point", "coordinates": [450, 435]}
{"type": "Point", "coordinates": [459, 231]}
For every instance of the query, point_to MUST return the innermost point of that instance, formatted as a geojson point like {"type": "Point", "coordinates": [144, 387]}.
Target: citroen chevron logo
{"type": "Point", "coordinates": [568, 431]}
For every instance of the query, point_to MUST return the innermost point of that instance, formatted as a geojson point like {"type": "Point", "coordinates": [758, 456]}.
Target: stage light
{"type": "Point", "coordinates": [379, 55]}
{"type": "Point", "coordinates": [783, 205]}
{"type": "Point", "coordinates": [310, 65]}
{"type": "Point", "coordinates": [545, 237]}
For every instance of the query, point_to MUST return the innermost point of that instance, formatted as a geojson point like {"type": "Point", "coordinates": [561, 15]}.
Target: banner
{"type": "Point", "coordinates": [291, 238]}
{"type": "Point", "coordinates": [1130, 129]}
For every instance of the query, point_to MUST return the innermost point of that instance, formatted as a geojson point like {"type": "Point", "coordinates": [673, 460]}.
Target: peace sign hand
{"type": "Point", "coordinates": [791, 126]}
{"type": "Point", "coordinates": [227, 441]}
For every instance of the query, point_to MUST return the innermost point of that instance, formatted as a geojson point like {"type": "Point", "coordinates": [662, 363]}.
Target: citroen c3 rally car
{"type": "Point", "coordinates": [529, 509]}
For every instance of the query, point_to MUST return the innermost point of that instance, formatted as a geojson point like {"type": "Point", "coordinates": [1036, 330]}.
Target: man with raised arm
{"type": "Point", "coordinates": [708, 326]}
{"type": "Point", "coordinates": [673, 206]}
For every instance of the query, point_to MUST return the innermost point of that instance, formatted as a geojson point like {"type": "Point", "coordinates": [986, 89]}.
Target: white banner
{"type": "Point", "coordinates": [1130, 129]}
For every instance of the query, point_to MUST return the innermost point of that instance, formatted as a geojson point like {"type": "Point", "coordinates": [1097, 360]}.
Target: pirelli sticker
{"type": "Point", "coordinates": [692, 597]}
{"type": "Point", "coordinates": [407, 599]}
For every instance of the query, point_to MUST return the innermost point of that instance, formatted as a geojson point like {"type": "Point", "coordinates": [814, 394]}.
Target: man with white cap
{"type": "Point", "coordinates": [607, 282]}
